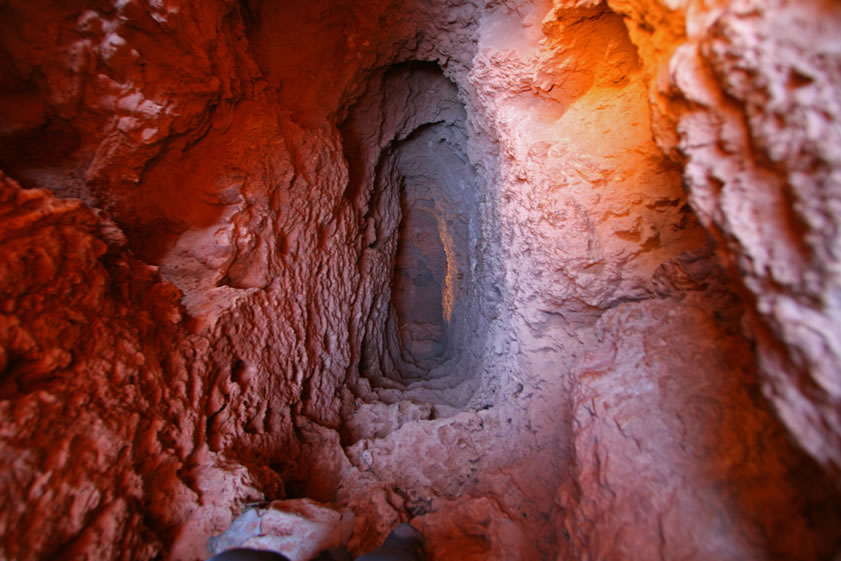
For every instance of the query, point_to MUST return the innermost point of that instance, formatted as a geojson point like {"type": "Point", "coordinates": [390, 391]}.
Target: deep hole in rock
{"type": "Point", "coordinates": [422, 227]}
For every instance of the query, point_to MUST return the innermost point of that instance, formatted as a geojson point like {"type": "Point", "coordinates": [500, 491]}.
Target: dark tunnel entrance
{"type": "Point", "coordinates": [420, 283]}
{"type": "Point", "coordinates": [406, 140]}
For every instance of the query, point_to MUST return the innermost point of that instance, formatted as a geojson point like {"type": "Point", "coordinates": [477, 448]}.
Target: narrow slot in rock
{"type": "Point", "coordinates": [421, 202]}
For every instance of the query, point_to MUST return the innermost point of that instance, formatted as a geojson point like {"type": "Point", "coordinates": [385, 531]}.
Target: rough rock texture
{"type": "Point", "coordinates": [86, 335]}
{"type": "Point", "coordinates": [299, 529]}
{"type": "Point", "coordinates": [636, 399]}
{"type": "Point", "coordinates": [760, 135]}
{"type": "Point", "coordinates": [549, 279]}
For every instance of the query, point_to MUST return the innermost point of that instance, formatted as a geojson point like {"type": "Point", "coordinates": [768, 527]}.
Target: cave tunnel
{"type": "Point", "coordinates": [422, 223]}
{"type": "Point", "coordinates": [542, 279]}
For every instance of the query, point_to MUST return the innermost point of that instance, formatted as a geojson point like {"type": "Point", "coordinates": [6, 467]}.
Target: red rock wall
{"type": "Point", "coordinates": [653, 260]}
{"type": "Point", "coordinates": [175, 141]}
{"type": "Point", "coordinates": [93, 367]}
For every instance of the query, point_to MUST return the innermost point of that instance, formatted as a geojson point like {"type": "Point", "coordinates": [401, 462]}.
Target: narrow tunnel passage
{"type": "Point", "coordinates": [280, 273]}
{"type": "Point", "coordinates": [430, 295]}
{"type": "Point", "coordinates": [420, 280]}
{"type": "Point", "coordinates": [423, 220]}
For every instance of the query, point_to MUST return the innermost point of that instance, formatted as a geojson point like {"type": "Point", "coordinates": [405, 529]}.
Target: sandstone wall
{"type": "Point", "coordinates": [759, 132]}
{"type": "Point", "coordinates": [196, 293]}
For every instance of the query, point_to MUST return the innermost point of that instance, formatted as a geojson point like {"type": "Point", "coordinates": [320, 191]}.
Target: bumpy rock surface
{"type": "Point", "coordinates": [760, 133]}
{"type": "Point", "coordinates": [549, 279]}
{"type": "Point", "coordinates": [300, 529]}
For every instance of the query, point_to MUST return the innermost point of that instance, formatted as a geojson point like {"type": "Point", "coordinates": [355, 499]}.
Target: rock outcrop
{"type": "Point", "coordinates": [547, 279]}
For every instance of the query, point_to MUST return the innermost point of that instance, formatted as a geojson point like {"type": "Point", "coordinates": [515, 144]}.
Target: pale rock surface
{"type": "Point", "coordinates": [760, 131]}
{"type": "Point", "coordinates": [299, 529]}
{"type": "Point", "coordinates": [666, 425]}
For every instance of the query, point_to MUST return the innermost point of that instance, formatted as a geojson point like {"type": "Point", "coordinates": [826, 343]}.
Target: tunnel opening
{"type": "Point", "coordinates": [420, 283]}
{"type": "Point", "coordinates": [432, 255]}
{"type": "Point", "coordinates": [419, 196]}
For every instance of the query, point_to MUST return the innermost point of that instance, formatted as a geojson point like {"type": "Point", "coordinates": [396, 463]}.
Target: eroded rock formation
{"type": "Point", "coordinates": [549, 279]}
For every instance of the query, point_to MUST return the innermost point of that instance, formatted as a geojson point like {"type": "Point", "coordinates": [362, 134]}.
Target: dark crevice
{"type": "Point", "coordinates": [417, 194]}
